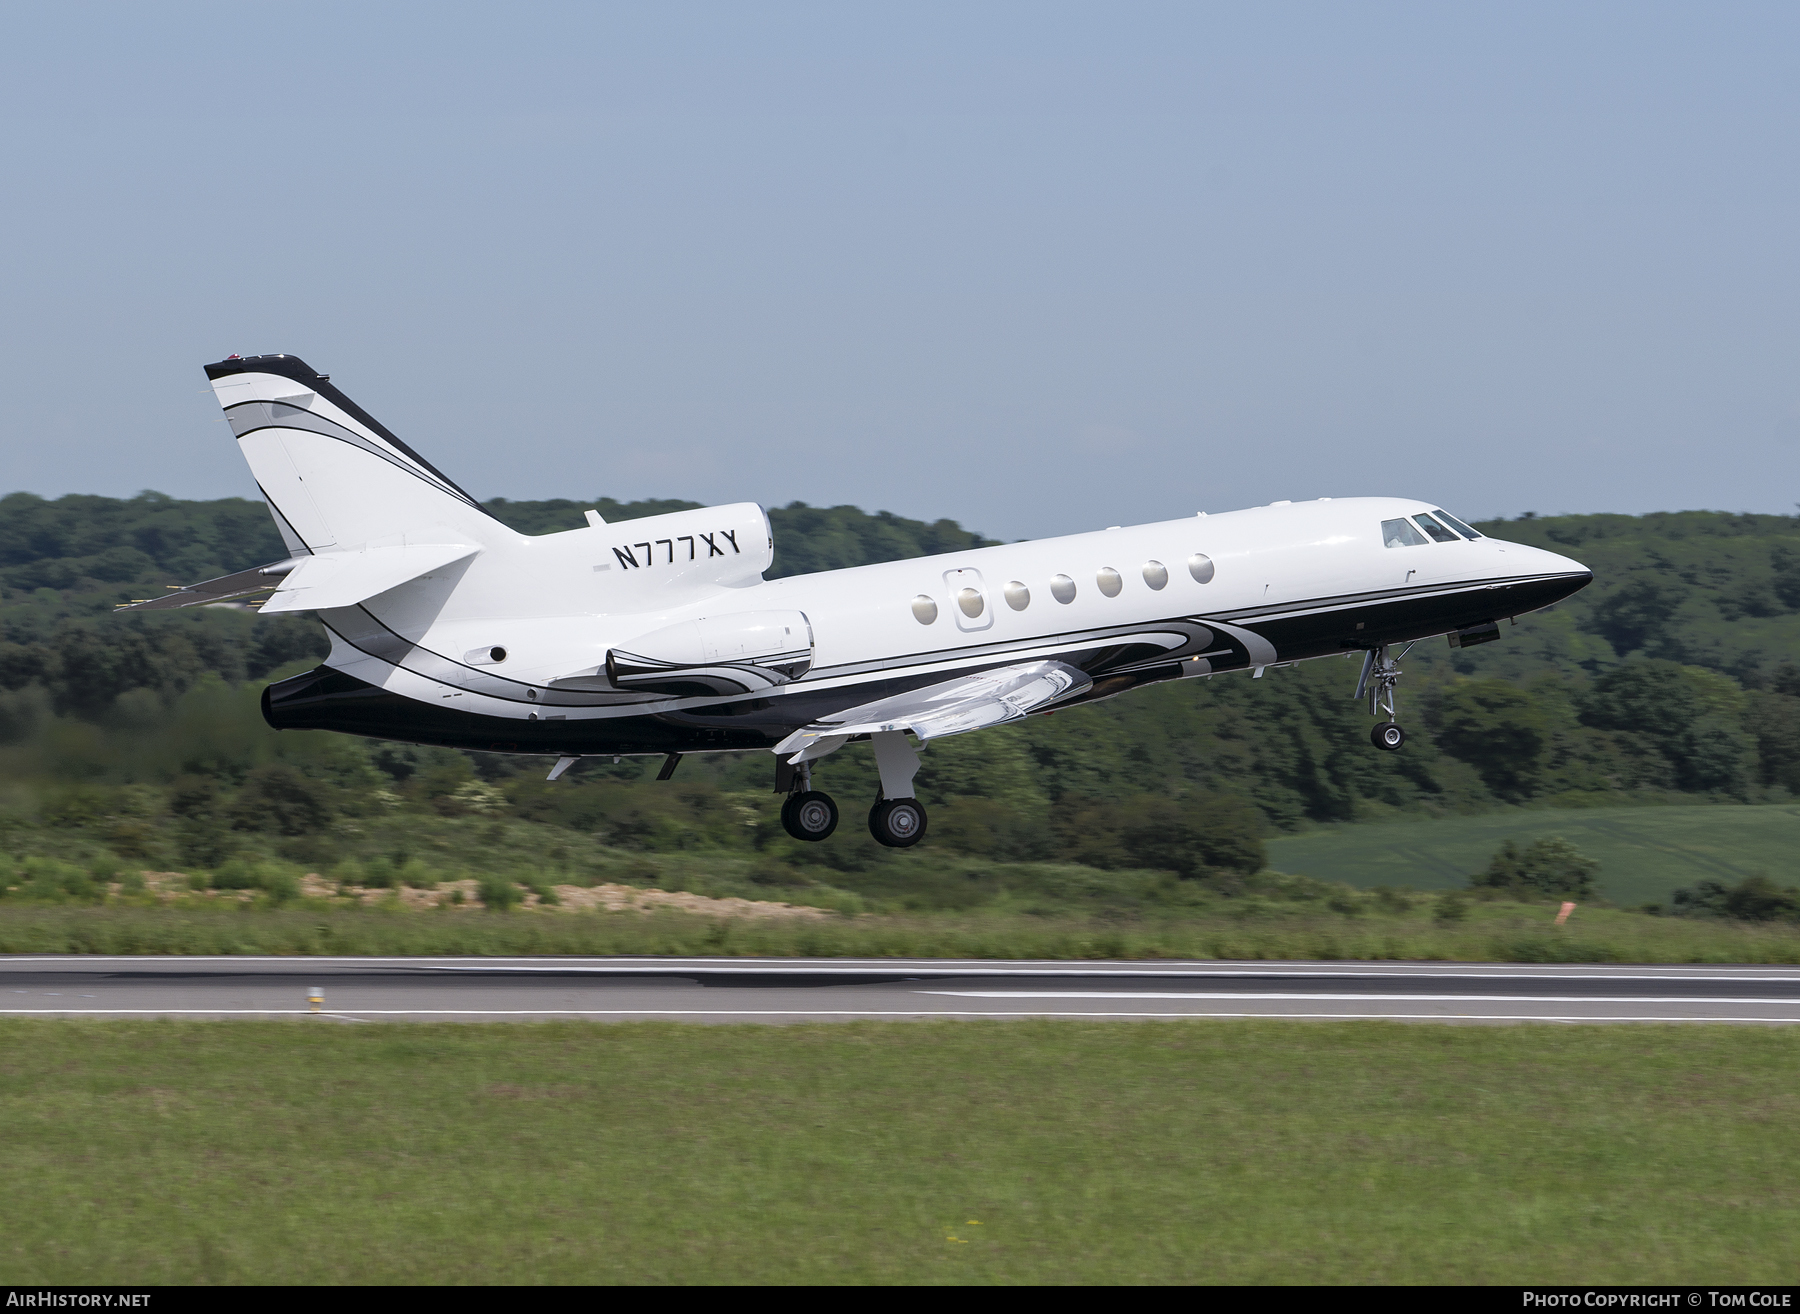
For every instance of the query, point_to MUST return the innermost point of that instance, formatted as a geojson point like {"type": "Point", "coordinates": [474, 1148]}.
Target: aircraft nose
{"type": "Point", "coordinates": [1574, 575]}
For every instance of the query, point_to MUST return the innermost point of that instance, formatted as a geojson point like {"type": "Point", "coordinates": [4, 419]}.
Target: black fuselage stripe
{"type": "Point", "coordinates": [983, 657]}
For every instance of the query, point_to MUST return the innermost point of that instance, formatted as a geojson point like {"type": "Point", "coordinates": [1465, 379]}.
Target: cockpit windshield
{"type": "Point", "coordinates": [1400, 533]}
{"type": "Point", "coordinates": [1437, 531]}
{"type": "Point", "coordinates": [1456, 524]}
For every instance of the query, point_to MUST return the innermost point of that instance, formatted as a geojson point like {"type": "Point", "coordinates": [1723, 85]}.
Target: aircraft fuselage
{"type": "Point", "coordinates": [1129, 606]}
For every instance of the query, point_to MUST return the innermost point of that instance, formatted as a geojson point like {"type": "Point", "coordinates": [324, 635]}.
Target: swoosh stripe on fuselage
{"type": "Point", "coordinates": [1299, 631]}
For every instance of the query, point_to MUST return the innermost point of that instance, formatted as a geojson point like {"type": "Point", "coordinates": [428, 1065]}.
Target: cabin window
{"type": "Point", "coordinates": [1062, 588]}
{"type": "Point", "coordinates": [971, 602]}
{"type": "Point", "coordinates": [924, 609]}
{"type": "Point", "coordinates": [1436, 530]}
{"type": "Point", "coordinates": [1400, 533]}
{"type": "Point", "coordinates": [1109, 581]}
{"type": "Point", "coordinates": [1456, 524]}
{"type": "Point", "coordinates": [1200, 566]}
{"type": "Point", "coordinates": [1018, 597]}
{"type": "Point", "coordinates": [1156, 575]}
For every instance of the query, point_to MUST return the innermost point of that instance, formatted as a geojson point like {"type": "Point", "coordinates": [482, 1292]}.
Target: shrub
{"type": "Point", "coordinates": [1549, 866]}
{"type": "Point", "coordinates": [237, 874]}
{"type": "Point", "coordinates": [497, 894]}
{"type": "Point", "coordinates": [203, 842]}
{"type": "Point", "coordinates": [1754, 899]}
{"type": "Point", "coordinates": [46, 880]}
{"type": "Point", "coordinates": [279, 798]}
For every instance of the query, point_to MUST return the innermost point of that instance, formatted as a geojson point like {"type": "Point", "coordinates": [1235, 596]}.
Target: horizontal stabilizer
{"type": "Point", "coordinates": [239, 584]}
{"type": "Point", "coordinates": [343, 579]}
{"type": "Point", "coordinates": [969, 702]}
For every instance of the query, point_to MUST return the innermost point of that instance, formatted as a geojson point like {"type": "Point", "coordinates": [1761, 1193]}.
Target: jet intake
{"type": "Point", "coordinates": [716, 656]}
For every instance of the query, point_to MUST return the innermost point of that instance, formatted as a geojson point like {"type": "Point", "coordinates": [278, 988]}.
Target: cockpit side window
{"type": "Point", "coordinates": [1457, 525]}
{"type": "Point", "coordinates": [1436, 530]}
{"type": "Point", "coordinates": [1400, 533]}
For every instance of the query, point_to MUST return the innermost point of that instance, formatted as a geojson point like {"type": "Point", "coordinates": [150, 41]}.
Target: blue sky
{"type": "Point", "coordinates": [1036, 267]}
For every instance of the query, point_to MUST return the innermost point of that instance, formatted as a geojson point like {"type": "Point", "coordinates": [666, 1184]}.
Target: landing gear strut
{"type": "Point", "coordinates": [1380, 673]}
{"type": "Point", "coordinates": [897, 819]}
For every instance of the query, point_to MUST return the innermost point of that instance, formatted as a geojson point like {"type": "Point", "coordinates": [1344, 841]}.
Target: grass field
{"type": "Point", "coordinates": [170, 1152]}
{"type": "Point", "coordinates": [1644, 853]}
{"type": "Point", "coordinates": [1246, 927]}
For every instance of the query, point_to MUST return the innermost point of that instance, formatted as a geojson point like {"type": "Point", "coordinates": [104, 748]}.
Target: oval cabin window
{"type": "Point", "coordinates": [1018, 597]}
{"type": "Point", "coordinates": [1062, 588]}
{"type": "Point", "coordinates": [1109, 581]}
{"type": "Point", "coordinates": [1200, 566]}
{"type": "Point", "coordinates": [971, 602]}
{"type": "Point", "coordinates": [924, 609]}
{"type": "Point", "coordinates": [1155, 574]}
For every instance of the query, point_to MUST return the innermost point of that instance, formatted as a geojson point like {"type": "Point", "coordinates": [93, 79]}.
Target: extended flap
{"type": "Point", "coordinates": [954, 707]}
{"type": "Point", "coordinates": [343, 579]}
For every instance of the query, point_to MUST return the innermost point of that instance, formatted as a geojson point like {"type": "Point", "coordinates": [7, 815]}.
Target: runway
{"type": "Point", "coordinates": [721, 990]}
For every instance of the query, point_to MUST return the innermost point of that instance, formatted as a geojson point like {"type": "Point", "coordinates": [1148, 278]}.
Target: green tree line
{"type": "Point", "coordinates": [1674, 676]}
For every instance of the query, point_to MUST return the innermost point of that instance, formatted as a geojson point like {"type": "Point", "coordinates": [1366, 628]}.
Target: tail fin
{"type": "Point", "coordinates": [334, 477]}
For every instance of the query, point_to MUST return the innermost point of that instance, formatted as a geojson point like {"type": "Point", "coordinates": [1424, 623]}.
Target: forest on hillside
{"type": "Point", "coordinates": [1675, 676]}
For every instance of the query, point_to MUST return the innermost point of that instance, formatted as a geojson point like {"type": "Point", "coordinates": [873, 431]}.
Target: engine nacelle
{"type": "Point", "coordinates": [708, 546]}
{"type": "Point", "coordinates": [735, 653]}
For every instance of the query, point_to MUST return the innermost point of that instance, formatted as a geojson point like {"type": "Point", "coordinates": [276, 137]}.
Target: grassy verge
{"type": "Point", "coordinates": [167, 1152]}
{"type": "Point", "coordinates": [1243, 929]}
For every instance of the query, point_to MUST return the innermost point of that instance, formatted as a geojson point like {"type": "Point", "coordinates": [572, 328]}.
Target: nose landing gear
{"type": "Point", "coordinates": [1380, 674]}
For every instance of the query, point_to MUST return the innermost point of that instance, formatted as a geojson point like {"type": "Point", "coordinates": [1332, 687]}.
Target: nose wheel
{"type": "Point", "coordinates": [1380, 676]}
{"type": "Point", "coordinates": [810, 815]}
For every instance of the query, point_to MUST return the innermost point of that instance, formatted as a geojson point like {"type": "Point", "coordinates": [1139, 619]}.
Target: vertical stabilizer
{"type": "Point", "coordinates": [334, 477]}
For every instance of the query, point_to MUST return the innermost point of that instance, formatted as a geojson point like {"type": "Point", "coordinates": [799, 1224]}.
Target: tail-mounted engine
{"type": "Point", "coordinates": [716, 656]}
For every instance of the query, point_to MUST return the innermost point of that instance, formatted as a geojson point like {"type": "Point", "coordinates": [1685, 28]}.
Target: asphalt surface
{"type": "Point", "coordinates": [804, 990]}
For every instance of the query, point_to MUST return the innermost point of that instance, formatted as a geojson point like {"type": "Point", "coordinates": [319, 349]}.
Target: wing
{"type": "Point", "coordinates": [954, 707]}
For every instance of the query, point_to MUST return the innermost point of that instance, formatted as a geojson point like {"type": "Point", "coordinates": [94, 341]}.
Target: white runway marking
{"type": "Point", "coordinates": [352, 1015]}
{"type": "Point", "coordinates": [1321, 994]}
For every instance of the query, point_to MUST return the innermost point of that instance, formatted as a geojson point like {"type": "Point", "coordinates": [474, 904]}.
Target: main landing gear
{"type": "Point", "coordinates": [1380, 673]}
{"type": "Point", "coordinates": [809, 815]}
{"type": "Point", "coordinates": [806, 814]}
{"type": "Point", "coordinates": [898, 823]}
{"type": "Point", "coordinates": [897, 819]}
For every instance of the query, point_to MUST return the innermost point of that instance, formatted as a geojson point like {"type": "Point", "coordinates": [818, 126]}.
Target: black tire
{"type": "Point", "coordinates": [898, 823]}
{"type": "Point", "coordinates": [1387, 736]}
{"type": "Point", "coordinates": [811, 816]}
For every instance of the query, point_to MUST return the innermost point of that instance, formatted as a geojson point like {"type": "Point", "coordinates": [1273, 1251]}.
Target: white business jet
{"type": "Point", "coordinates": [661, 636]}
